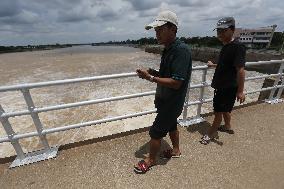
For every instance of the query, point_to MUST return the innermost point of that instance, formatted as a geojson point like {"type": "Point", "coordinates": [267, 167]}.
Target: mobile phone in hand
{"type": "Point", "coordinates": [153, 72]}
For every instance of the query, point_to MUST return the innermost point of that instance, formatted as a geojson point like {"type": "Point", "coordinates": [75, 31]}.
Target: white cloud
{"type": "Point", "coordinates": [110, 29]}
{"type": "Point", "coordinates": [81, 21]}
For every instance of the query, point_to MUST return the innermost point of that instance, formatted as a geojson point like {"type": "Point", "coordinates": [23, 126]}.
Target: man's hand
{"type": "Point", "coordinates": [143, 74]}
{"type": "Point", "coordinates": [153, 72]}
{"type": "Point", "coordinates": [211, 64]}
{"type": "Point", "coordinates": [241, 97]}
{"type": "Point", "coordinates": [241, 83]}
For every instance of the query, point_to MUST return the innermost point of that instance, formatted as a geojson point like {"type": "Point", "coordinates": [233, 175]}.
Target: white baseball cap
{"type": "Point", "coordinates": [162, 18]}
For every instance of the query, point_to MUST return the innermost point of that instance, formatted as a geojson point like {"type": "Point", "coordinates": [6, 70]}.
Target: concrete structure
{"type": "Point", "coordinates": [258, 37]}
{"type": "Point", "coordinates": [204, 54]}
{"type": "Point", "coordinates": [268, 82]}
{"type": "Point", "coordinates": [252, 158]}
{"type": "Point", "coordinates": [282, 50]}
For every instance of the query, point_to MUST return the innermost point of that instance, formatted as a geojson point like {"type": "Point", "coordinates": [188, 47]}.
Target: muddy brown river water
{"type": "Point", "coordinates": [84, 61]}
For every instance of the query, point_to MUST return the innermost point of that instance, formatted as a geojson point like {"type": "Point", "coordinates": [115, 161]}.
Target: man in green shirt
{"type": "Point", "coordinates": [172, 81]}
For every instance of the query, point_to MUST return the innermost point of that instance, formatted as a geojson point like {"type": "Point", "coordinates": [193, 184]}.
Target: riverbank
{"type": "Point", "coordinates": [204, 54]}
{"type": "Point", "coordinates": [28, 48]}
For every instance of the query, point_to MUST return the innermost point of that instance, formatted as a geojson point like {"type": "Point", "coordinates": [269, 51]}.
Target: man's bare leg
{"type": "Point", "coordinates": [227, 126]}
{"type": "Point", "coordinates": [174, 136]}
{"type": "Point", "coordinates": [216, 123]}
{"type": "Point", "coordinates": [155, 145]}
{"type": "Point", "coordinates": [227, 119]}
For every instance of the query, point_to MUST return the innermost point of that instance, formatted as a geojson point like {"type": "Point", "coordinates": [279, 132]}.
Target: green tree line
{"type": "Point", "coordinates": [4, 49]}
{"type": "Point", "coordinates": [278, 39]}
{"type": "Point", "coordinates": [197, 41]}
{"type": "Point", "coordinates": [208, 41]}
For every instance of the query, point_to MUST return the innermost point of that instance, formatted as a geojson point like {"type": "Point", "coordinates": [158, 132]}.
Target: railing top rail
{"type": "Point", "coordinates": [103, 77]}
{"type": "Point", "coordinates": [199, 67]}
{"type": "Point", "coordinates": [65, 81]}
{"type": "Point", "coordinates": [265, 62]}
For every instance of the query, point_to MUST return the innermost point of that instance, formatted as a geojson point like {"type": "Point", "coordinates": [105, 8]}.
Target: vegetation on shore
{"type": "Point", "coordinates": [208, 41]}
{"type": "Point", "coordinates": [196, 41]}
{"type": "Point", "coordinates": [9, 49]}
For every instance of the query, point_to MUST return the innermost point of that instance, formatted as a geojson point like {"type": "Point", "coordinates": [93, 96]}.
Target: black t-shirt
{"type": "Point", "coordinates": [176, 63]}
{"type": "Point", "coordinates": [231, 57]}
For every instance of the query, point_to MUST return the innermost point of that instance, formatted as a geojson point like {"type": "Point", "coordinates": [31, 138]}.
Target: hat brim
{"type": "Point", "coordinates": [222, 27]}
{"type": "Point", "coordinates": [155, 24]}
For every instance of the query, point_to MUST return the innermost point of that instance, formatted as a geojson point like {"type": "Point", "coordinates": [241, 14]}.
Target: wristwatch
{"type": "Point", "coordinates": [151, 78]}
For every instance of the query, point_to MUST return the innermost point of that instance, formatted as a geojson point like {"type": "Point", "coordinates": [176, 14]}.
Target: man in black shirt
{"type": "Point", "coordinates": [172, 81]}
{"type": "Point", "coordinates": [228, 79]}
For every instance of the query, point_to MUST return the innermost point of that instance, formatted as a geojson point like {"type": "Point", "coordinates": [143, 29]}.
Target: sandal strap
{"type": "Point", "coordinates": [143, 166]}
{"type": "Point", "coordinates": [205, 140]}
{"type": "Point", "coordinates": [223, 129]}
{"type": "Point", "coordinates": [167, 154]}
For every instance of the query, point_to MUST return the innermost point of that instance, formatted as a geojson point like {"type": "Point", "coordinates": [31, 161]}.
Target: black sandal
{"type": "Point", "coordinates": [223, 129]}
{"type": "Point", "coordinates": [205, 140]}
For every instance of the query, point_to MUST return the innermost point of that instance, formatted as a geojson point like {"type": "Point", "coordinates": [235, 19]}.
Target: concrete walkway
{"type": "Point", "coordinates": [251, 158]}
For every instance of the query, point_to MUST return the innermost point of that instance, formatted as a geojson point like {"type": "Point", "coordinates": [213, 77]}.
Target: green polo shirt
{"type": "Point", "coordinates": [176, 63]}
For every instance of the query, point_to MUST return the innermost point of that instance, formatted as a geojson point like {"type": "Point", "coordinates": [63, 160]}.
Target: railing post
{"type": "Point", "coordinates": [201, 95]}
{"type": "Point", "coordinates": [182, 121]}
{"type": "Point", "coordinates": [276, 98]}
{"type": "Point", "coordinates": [196, 119]}
{"type": "Point", "coordinates": [47, 152]}
{"type": "Point", "coordinates": [10, 132]}
{"type": "Point", "coordinates": [280, 91]}
{"type": "Point", "coordinates": [35, 117]}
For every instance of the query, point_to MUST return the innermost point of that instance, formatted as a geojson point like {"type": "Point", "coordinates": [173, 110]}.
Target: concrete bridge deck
{"type": "Point", "coordinates": [251, 158]}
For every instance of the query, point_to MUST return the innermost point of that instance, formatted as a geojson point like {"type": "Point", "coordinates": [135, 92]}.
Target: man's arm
{"type": "Point", "coordinates": [167, 82]}
{"type": "Point", "coordinates": [241, 81]}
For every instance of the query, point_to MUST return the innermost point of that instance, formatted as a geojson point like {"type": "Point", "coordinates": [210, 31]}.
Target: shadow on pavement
{"type": "Point", "coordinates": [143, 152]}
{"type": "Point", "coordinates": [203, 128]}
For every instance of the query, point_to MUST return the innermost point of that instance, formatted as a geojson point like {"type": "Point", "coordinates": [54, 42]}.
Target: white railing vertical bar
{"type": "Point", "coordinates": [185, 108]}
{"type": "Point", "coordinates": [280, 90]}
{"type": "Point", "coordinates": [35, 117]}
{"type": "Point", "coordinates": [196, 119]}
{"type": "Point", "coordinates": [273, 98]}
{"type": "Point", "coordinates": [10, 133]}
{"type": "Point", "coordinates": [36, 156]}
{"type": "Point", "coordinates": [201, 95]}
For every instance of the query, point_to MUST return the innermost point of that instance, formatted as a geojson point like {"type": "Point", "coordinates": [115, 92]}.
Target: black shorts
{"type": "Point", "coordinates": [224, 99]}
{"type": "Point", "coordinates": [165, 121]}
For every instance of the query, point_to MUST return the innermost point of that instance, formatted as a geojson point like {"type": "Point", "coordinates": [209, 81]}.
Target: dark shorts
{"type": "Point", "coordinates": [165, 121]}
{"type": "Point", "coordinates": [224, 99]}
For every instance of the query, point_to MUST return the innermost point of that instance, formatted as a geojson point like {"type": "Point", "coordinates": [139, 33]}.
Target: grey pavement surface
{"type": "Point", "coordinates": [251, 158]}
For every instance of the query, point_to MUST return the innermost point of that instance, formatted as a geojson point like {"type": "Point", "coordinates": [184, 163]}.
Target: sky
{"type": "Point", "coordinates": [38, 22]}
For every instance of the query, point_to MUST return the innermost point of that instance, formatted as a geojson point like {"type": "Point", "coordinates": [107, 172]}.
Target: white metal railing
{"type": "Point", "coordinates": [41, 132]}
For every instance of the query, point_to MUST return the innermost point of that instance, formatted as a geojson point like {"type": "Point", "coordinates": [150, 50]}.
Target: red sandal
{"type": "Point", "coordinates": [142, 167]}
